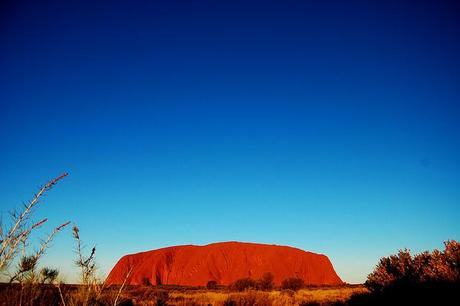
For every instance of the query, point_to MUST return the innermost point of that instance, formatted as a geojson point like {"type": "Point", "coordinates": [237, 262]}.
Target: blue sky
{"type": "Point", "coordinates": [330, 126]}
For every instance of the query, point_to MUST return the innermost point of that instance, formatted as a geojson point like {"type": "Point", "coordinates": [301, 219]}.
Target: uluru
{"type": "Point", "coordinates": [224, 262]}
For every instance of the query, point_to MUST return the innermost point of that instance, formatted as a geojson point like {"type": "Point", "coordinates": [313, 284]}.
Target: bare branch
{"type": "Point", "coordinates": [44, 245]}
{"type": "Point", "coordinates": [18, 232]}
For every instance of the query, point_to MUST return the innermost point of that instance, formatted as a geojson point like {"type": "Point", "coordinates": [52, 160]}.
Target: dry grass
{"type": "Point", "coordinates": [326, 295]}
{"type": "Point", "coordinates": [276, 297]}
{"type": "Point", "coordinates": [198, 297]}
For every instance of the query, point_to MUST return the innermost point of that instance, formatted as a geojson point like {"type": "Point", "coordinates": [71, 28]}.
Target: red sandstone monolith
{"type": "Point", "coordinates": [225, 262]}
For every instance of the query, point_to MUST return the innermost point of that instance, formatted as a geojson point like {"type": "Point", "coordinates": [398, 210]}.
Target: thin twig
{"type": "Point", "coordinates": [22, 238]}
{"type": "Point", "coordinates": [122, 285]}
{"type": "Point", "coordinates": [44, 245]}
{"type": "Point", "coordinates": [60, 294]}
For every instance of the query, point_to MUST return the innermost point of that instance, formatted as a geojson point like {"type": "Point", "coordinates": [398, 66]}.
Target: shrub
{"type": "Point", "coordinates": [14, 238]}
{"type": "Point", "coordinates": [18, 262]}
{"type": "Point", "coordinates": [212, 284]}
{"type": "Point", "coordinates": [265, 282]}
{"type": "Point", "coordinates": [48, 275]}
{"type": "Point", "coordinates": [390, 269]}
{"type": "Point", "coordinates": [404, 270]}
{"type": "Point", "coordinates": [293, 283]}
{"type": "Point", "coordinates": [244, 284]}
{"type": "Point", "coordinates": [29, 286]}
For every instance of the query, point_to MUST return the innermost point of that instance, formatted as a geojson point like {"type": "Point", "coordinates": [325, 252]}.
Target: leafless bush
{"type": "Point", "coordinates": [15, 260]}
{"type": "Point", "coordinates": [92, 290]}
{"type": "Point", "coordinates": [87, 264]}
{"type": "Point", "coordinates": [14, 237]}
{"type": "Point", "coordinates": [27, 286]}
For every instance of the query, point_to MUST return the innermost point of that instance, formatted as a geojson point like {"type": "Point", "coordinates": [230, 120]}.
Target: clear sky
{"type": "Point", "coordinates": [329, 126]}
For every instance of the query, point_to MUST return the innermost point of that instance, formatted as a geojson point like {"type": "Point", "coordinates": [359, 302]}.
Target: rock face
{"type": "Point", "coordinates": [225, 262]}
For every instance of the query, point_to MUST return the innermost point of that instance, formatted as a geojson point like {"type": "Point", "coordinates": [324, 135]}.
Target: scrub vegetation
{"type": "Point", "coordinates": [24, 282]}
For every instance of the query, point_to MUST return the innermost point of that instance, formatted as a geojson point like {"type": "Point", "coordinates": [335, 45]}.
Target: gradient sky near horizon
{"type": "Point", "coordinates": [331, 126]}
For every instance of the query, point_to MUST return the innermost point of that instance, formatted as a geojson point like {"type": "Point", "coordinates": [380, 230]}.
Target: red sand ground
{"type": "Point", "coordinates": [224, 262]}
